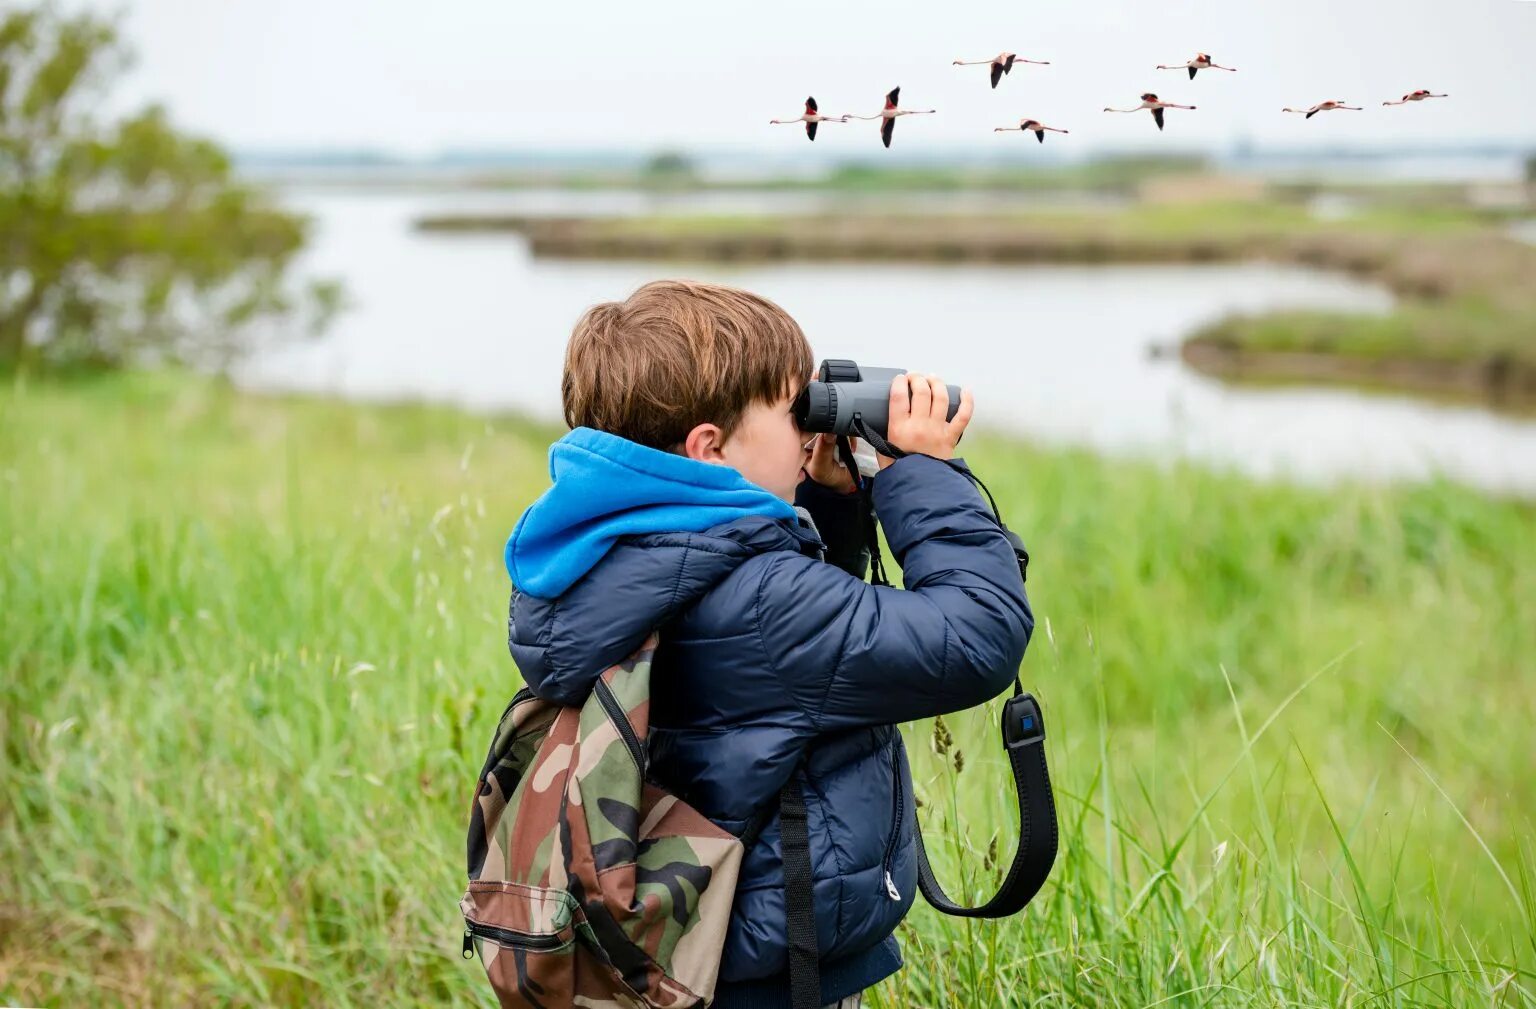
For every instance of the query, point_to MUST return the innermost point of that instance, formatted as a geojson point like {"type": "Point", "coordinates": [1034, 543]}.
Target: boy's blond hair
{"type": "Point", "coordinates": [676, 354]}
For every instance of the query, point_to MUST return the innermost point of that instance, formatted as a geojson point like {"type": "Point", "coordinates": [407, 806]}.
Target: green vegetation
{"type": "Point", "coordinates": [251, 653]}
{"type": "Point", "coordinates": [1114, 173]}
{"type": "Point", "coordinates": [126, 240]}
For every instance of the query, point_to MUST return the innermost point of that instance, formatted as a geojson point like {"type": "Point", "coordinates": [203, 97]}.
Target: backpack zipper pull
{"type": "Point", "coordinates": [890, 887]}
{"type": "Point", "coordinates": [469, 945]}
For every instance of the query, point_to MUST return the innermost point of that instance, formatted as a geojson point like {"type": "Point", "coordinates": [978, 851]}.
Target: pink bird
{"type": "Point", "coordinates": [1324, 107]}
{"type": "Point", "coordinates": [810, 117]}
{"type": "Point", "coordinates": [887, 115]}
{"type": "Point", "coordinates": [1202, 61]}
{"type": "Point", "coordinates": [1415, 96]}
{"type": "Point", "coordinates": [1030, 125]}
{"type": "Point", "coordinates": [1001, 64]}
{"type": "Point", "coordinates": [1156, 104]}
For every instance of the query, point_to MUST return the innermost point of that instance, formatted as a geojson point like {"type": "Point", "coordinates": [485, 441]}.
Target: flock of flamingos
{"type": "Point", "coordinates": [1003, 63]}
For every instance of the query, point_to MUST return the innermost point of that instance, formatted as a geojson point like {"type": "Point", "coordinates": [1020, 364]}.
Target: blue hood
{"type": "Point", "coordinates": [606, 487]}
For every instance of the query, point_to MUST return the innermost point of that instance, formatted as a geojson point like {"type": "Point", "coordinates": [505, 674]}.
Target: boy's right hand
{"type": "Point", "coordinates": [917, 421]}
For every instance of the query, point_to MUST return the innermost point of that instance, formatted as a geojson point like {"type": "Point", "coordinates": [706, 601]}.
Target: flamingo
{"type": "Point", "coordinates": [810, 117]}
{"type": "Point", "coordinates": [1156, 104]}
{"type": "Point", "coordinates": [1324, 107]}
{"type": "Point", "coordinates": [1415, 96]}
{"type": "Point", "coordinates": [1001, 64]}
{"type": "Point", "coordinates": [887, 115]}
{"type": "Point", "coordinates": [1202, 61]}
{"type": "Point", "coordinates": [1028, 125]}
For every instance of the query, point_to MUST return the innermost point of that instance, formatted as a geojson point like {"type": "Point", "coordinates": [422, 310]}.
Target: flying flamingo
{"type": "Point", "coordinates": [1324, 107]}
{"type": "Point", "coordinates": [1156, 104]}
{"type": "Point", "coordinates": [1001, 64]}
{"type": "Point", "coordinates": [1415, 96]}
{"type": "Point", "coordinates": [1030, 124]}
{"type": "Point", "coordinates": [1202, 61]}
{"type": "Point", "coordinates": [810, 117]}
{"type": "Point", "coordinates": [887, 115]}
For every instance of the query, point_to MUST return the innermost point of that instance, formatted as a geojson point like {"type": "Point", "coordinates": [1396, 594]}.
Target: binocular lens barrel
{"type": "Point", "coordinates": [843, 392]}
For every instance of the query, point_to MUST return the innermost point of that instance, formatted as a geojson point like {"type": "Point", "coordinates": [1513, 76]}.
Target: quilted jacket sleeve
{"type": "Point", "coordinates": [851, 654]}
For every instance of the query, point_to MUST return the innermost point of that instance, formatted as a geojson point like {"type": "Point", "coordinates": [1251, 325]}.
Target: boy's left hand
{"type": "Point", "coordinates": [825, 467]}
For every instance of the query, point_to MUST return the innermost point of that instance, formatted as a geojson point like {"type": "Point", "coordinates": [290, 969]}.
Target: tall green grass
{"type": "Point", "coordinates": [252, 650]}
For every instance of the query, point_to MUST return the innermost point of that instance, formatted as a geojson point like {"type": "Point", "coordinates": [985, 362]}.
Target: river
{"type": "Point", "coordinates": [1058, 354]}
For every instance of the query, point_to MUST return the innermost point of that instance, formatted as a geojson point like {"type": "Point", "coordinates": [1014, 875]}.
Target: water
{"type": "Point", "coordinates": [1060, 354]}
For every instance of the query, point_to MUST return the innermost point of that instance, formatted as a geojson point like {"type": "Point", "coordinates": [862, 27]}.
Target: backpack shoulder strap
{"type": "Point", "coordinates": [799, 899]}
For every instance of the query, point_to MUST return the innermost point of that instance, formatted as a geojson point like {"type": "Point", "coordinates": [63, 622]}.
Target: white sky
{"type": "Point", "coordinates": [416, 77]}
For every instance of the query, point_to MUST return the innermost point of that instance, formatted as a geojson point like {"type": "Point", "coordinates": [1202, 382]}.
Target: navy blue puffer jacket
{"type": "Point", "coordinates": [774, 650]}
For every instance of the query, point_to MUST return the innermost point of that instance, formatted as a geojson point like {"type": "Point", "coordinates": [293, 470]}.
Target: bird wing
{"type": "Point", "coordinates": [810, 129]}
{"type": "Point", "coordinates": [1157, 114]}
{"type": "Point", "coordinates": [1040, 135]}
{"type": "Point", "coordinates": [1312, 112]}
{"type": "Point", "coordinates": [997, 73]}
{"type": "Point", "coordinates": [892, 98]}
{"type": "Point", "coordinates": [810, 105]}
{"type": "Point", "coordinates": [887, 127]}
{"type": "Point", "coordinates": [1193, 71]}
{"type": "Point", "coordinates": [1008, 65]}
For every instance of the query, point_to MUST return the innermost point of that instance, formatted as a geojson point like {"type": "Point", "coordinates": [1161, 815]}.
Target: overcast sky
{"type": "Point", "coordinates": [417, 77]}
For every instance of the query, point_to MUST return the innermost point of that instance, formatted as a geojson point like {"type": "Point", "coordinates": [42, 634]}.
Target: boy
{"type": "Point", "coordinates": [673, 506]}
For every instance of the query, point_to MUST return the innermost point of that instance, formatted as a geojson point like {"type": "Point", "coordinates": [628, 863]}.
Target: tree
{"type": "Point", "coordinates": [127, 241]}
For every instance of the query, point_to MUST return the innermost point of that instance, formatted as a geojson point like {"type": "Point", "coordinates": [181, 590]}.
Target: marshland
{"type": "Point", "coordinates": [1262, 416]}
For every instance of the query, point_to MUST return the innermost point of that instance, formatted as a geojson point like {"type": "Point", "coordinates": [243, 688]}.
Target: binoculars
{"type": "Point", "coordinates": [845, 399]}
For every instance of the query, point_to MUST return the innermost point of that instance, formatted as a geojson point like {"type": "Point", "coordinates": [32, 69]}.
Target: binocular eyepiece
{"type": "Point", "coordinates": [845, 397]}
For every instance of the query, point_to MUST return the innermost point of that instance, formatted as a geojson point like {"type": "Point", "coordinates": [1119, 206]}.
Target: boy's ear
{"type": "Point", "coordinates": [705, 443]}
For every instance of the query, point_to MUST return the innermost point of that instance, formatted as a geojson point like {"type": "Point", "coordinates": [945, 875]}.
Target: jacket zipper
{"type": "Point", "coordinates": [507, 937]}
{"type": "Point", "coordinates": [621, 722]}
{"type": "Point", "coordinates": [901, 802]}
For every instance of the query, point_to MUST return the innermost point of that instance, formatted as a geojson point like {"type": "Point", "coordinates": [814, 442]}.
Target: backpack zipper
{"type": "Point", "coordinates": [620, 722]}
{"type": "Point", "coordinates": [901, 802]}
{"type": "Point", "coordinates": [507, 937]}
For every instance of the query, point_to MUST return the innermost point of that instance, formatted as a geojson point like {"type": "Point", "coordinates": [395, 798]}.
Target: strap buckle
{"type": "Point", "coordinates": [1022, 723]}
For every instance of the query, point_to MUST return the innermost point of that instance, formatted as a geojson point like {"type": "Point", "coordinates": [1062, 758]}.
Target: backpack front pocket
{"type": "Point", "coordinates": [526, 938]}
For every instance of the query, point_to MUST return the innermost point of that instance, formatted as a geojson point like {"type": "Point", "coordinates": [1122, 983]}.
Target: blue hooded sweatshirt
{"type": "Point", "coordinates": [776, 661]}
{"type": "Point", "coordinates": [606, 487]}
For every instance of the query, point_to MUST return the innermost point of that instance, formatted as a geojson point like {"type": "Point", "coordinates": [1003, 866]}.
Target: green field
{"type": "Point", "coordinates": [253, 649]}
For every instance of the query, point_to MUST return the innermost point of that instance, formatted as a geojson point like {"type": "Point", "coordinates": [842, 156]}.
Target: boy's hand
{"type": "Point", "coordinates": [825, 467]}
{"type": "Point", "coordinates": [918, 411]}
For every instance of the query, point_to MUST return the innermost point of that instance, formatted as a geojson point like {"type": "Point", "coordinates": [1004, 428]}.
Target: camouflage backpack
{"type": "Point", "coordinates": [588, 885]}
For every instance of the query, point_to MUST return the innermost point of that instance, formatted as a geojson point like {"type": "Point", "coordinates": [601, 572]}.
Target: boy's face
{"type": "Point", "coordinates": [767, 447]}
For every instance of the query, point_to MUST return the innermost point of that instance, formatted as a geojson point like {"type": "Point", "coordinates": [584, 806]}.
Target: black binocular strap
{"type": "Point", "coordinates": [1024, 737]}
{"type": "Point", "coordinates": [1023, 730]}
{"type": "Point", "coordinates": [871, 527]}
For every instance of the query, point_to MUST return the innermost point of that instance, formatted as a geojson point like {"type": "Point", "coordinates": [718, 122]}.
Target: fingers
{"type": "Point", "coordinates": [901, 401]}
{"type": "Point", "coordinates": [940, 393]}
{"type": "Point", "coordinates": [922, 395]}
